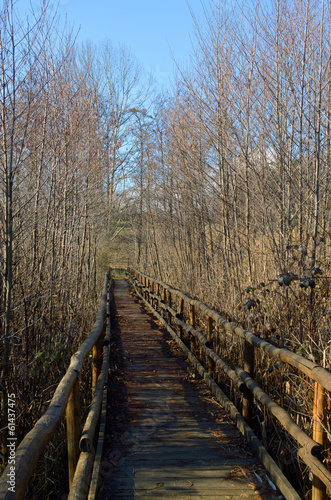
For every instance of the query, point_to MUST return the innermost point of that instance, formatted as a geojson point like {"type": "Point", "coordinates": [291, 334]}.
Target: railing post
{"type": "Point", "coordinates": [157, 292]}
{"type": "Point", "coordinates": [152, 301]}
{"type": "Point", "coordinates": [210, 340]}
{"type": "Point", "coordinates": [221, 331]}
{"type": "Point", "coordinates": [164, 300]}
{"type": "Point", "coordinates": [319, 435]}
{"type": "Point", "coordinates": [74, 429]}
{"type": "Point", "coordinates": [180, 312]}
{"type": "Point", "coordinates": [96, 362]}
{"type": "Point", "coordinates": [147, 289]}
{"type": "Point", "coordinates": [247, 405]}
{"type": "Point", "coordinates": [192, 323]}
{"type": "Point", "coordinates": [170, 305]}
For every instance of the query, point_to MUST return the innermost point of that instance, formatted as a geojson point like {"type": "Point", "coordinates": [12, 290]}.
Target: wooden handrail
{"type": "Point", "coordinates": [38, 437]}
{"type": "Point", "coordinates": [313, 370]}
{"type": "Point", "coordinates": [81, 480]}
{"type": "Point", "coordinates": [311, 448]}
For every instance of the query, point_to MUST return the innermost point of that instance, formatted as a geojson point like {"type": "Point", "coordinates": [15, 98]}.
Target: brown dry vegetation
{"type": "Point", "coordinates": [236, 197]}
{"type": "Point", "coordinates": [216, 188]}
{"type": "Point", "coordinates": [64, 141]}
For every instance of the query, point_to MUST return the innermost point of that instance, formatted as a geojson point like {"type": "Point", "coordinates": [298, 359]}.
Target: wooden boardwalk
{"type": "Point", "coordinates": [166, 436]}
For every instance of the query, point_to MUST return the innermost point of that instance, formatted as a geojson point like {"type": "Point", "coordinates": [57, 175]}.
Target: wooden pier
{"type": "Point", "coordinates": [167, 437]}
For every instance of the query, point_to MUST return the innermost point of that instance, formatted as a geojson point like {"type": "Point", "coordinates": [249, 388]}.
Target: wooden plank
{"type": "Point", "coordinates": [127, 495]}
{"type": "Point", "coordinates": [193, 483]}
{"type": "Point", "coordinates": [159, 493]}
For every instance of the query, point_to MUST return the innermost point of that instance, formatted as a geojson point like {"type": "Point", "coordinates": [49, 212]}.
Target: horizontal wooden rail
{"type": "Point", "coordinates": [313, 370]}
{"type": "Point", "coordinates": [309, 450]}
{"type": "Point", "coordinates": [34, 443]}
{"type": "Point", "coordinates": [81, 480]}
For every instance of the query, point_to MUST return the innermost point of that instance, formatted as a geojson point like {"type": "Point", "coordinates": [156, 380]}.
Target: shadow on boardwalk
{"type": "Point", "coordinates": [166, 437]}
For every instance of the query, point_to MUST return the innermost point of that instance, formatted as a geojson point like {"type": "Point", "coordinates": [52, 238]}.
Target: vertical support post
{"type": "Point", "coordinates": [210, 340]}
{"type": "Point", "coordinates": [180, 311]}
{"type": "Point", "coordinates": [164, 300]}
{"type": "Point", "coordinates": [157, 292]}
{"type": "Point", "coordinates": [170, 305]}
{"type": "Point", "coordinates": [192, 323]}
{"type": "Point", "coordinates": [96, 362]}
{"type": "Point", "coordinates": [74, 429]}
{"type": "Point", "coordinates": [221, 331]}
{"type": "Point", "coordinates": [319, 435]}
{"type": "Point", "coordinates": [249, 368]}
{"type": "Point", "coordinates": [152, 291]}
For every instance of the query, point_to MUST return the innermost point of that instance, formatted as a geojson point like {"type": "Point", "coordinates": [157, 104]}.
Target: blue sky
{"type": "Point", "coordinates": [150, 28]}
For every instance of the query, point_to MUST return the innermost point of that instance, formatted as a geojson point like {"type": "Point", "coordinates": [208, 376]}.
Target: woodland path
{"type": "Point", "coordinates": [166, 437]}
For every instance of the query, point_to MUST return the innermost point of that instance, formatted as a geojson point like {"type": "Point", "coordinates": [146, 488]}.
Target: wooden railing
{"type": "Point", "coordinates": [179, 314]}
{"type": "Point", "coordinates": [66, 403]}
